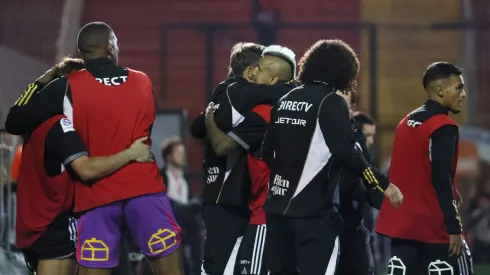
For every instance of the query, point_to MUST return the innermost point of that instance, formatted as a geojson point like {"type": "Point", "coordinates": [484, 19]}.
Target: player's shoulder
{"type": "Point", "coordinates": [139, 74]}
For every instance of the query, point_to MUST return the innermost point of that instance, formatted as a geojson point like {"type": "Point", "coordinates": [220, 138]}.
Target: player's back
{"type": "Point", "coordinates": [109, 114]}
{"type": "Point", "coordinates": [41, 197]}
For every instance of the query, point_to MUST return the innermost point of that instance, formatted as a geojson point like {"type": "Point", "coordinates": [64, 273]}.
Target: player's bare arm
{"type": "Point", "coordinates": [92, 168]}
{"type": "Point", "coordinates": [222, 143]}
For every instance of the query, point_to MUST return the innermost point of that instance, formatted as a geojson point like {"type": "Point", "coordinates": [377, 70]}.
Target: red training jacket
{"type": "Point", "coordinates": [259, 175]}
{"type": "Point", "coordinates": [40, 198]}
{"type": "Point", "coordinates": [109, 119]}
{"type": "Point", "coordinates": [419, 217]}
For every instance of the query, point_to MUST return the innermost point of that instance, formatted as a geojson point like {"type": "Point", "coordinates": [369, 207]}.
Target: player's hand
{"type": "Point", "coordinates": [455, 245]}
{"type": "Point", "coordinates": [458, 198]}
{"type": "Point", "coordinates": [394, 195]}
{"type": "Point", "coordinates": [141, 151]}
{"type": "Point", "coordinates": [210, 112]}
{"type": "Point", "coordinates": [48, 76]}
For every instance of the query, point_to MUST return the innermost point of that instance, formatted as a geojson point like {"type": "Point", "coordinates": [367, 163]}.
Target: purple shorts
{"type": "Point", "coordinates": [149, 219]}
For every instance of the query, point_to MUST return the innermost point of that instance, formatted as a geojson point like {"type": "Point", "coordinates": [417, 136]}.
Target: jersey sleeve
{"type": "Point", "coordinates": [250, 133]}
{"type": "Point", "coordinates": [36, 106]}
{"type": "Point", "coordinates": [337, 131]}
{"type": "Point", "coordinates": [250, 95]}
{"type": "Point", "coordinates": [198, 127]}
{"type": "Point", "coordinates": [65, 142]}
{"type": "Point", "coordinates": [443, 144]}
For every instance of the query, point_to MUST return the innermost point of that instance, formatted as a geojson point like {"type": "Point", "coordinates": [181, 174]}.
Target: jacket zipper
{"type": "Point", "coordinates": [219, 194]}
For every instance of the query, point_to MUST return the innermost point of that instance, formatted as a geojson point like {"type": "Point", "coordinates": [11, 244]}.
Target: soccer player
{"type": "Point", "coordinates": [308, 141]}
{"type": "Point", "coordinates": [272, 69]}
{"type": "Point", "coordinates": [45, 227]}
{"type": "Point", "coordinates": [227, 194]}
{"type": "Point", "coordinates": [355, 207]}
{"type": "Point", "coordinates": [109, 106]}
{"type": "Point", "coordinates": [426, 230]}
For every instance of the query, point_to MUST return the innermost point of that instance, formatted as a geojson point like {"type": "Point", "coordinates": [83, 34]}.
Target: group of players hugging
{"type": "Point", "coordinates": [285, 165]}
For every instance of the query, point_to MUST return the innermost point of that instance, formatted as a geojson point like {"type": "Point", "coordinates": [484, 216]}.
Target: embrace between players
{"type": "Point", "coordinates": [283, 144]}
{"type": "Point", "coordinates": [293, 171]}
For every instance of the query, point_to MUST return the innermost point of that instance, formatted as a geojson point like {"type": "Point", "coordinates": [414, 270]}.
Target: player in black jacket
{"type": "Point", "coordinates": [227, 193]}
{"type": "Point", "coordinates": [308, 141]}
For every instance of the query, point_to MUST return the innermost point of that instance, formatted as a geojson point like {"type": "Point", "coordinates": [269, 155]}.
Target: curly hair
{"type": "Point", "coordinates": [331, 61]}
{"type": "Point", "coordinates": [243, 55]}
{"type": "Point", "coordinates": [68, 65]}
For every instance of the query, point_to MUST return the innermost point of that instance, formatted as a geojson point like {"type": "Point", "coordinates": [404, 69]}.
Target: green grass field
{"type": "Point", "coordinates": [482, 269]}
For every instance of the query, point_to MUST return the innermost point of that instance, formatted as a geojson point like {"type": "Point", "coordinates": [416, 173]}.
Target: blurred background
{"type": "Point", "coordinates": [184, 46]}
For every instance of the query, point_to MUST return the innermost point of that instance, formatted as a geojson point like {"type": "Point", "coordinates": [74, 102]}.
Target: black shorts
{"type": "Point", "coordinates": [307, 246]}
{"type": "Point", "coordinates": [56, 243]}
{"type": "Point", "coordinates": [250, 254]}
{"type": "Point", "coordinates": [225, 227]}
{"type": "Point", "coordinates": [415, 258]}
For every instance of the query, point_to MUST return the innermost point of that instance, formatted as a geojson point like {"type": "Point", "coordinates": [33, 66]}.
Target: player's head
{"type": "Point", "coordinates": [331, 61]}
{"type": "Point", "coordinates": [173, 151]}
{"type": "Point", "coordinates": [277, 64]}
{"type": "Point", "coordinates": [68, 65]}
{"type": "Point", "coordinates": [367, 125]}
{"type": "Point", "coordinates": [97, 40]}
{"type": "Point", "coordinates": [444, 83]}
{"type": "Point", "coordinates": [243, 59]}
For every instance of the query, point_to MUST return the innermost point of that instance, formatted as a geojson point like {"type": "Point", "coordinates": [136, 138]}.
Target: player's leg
{"type": "Point", "coordinates": [279, 257]}
{"type": "Point", "coordinates": [154, 229]}
{"type": "Point", "coordinates": [405, 258]}
{"type": "Point", "coordinates": [53, 253]}
{"type": "Point", "coordinates": [354, 249]}
{"type": "Point", "coordinates": [438, 261]}
{"type": "Point", "coordinates": [99, 237]}
{"type": "Point", "coordinates": [225, 227]}
{"type": "Point", "coordinates": [316, 243]}
{"type": "Point", "coordinates": [250, 255]}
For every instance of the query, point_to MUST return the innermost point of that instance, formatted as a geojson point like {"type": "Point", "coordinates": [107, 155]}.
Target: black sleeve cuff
{"type": "Point", "coordinates": [71, 158]}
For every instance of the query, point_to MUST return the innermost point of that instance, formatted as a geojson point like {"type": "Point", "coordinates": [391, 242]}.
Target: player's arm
{"type": "Point", "coordinates": [221, 142]}
{"type": "Point", "coordinates": [36, 105]}
{"type": "Point", "coordinates": [69, 147]}
{"type": "Point", "coordinates": [198, 127]}
{"type": "Point", "coordinates": [256, 94]}
{"type": "Point", "coordinates": [443, 148]}
{"type": "Point", "coordinates": [248, 134]}
{"type": "Point", "coordinates": [334, 116]}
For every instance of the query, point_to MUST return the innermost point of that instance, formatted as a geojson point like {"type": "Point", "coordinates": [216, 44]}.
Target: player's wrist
{"type": "Point", "coordinates": [131, 154]}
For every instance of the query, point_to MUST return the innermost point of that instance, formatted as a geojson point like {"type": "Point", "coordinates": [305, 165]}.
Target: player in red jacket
{"type": "Point", "coordinates": [53, 157]}
{"type": "Point", "coordinates": [110, 106]}
{"type": "Point", "coordinates": [426, 230]}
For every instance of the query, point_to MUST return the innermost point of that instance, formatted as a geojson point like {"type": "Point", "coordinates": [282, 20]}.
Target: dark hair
{"type": "Point", "coordinates": [168, 146]}
{"type": "Point", "coordinates": [92, 36]}
{"type": "Point", "coordinates": [440, 70]}
{"type": "Point", "coordinates": [243, 55]}
{"type": "Point", "coordinates": [331, 61]}
{"type": "Point", "coordinates": [68, 65]}
{"type": "Point", "coordinates": [353, 98]}
{"type": "Point", "coordinates": [362, 119]}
